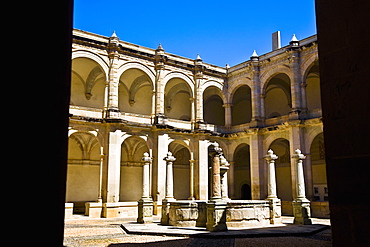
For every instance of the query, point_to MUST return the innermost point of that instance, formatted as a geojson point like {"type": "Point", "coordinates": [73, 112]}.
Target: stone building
{"type": "Point", "coordinates": [127, 99]}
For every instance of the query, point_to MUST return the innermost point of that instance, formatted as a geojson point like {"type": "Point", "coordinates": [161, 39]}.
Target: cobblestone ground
{"type": "Point", "coordinates": [86, 232]}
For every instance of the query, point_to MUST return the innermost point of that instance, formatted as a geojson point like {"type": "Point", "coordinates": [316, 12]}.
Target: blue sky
{"type": "Point", "coordinates": [220, 31]}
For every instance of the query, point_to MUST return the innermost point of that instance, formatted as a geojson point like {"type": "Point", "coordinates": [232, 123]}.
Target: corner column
{"type": "Point", "coordinates": [216, 207]}
{"type": "Point", "coordinates": [275, 203]}
{"type": "Point", "coordinates": [301, 205]}
{"type": "Point", "coordinates": [113, 80]}
{"type": "Point", "coordinates": [169, 189]}
{"type": "Point", "coordinates": [145, 204]}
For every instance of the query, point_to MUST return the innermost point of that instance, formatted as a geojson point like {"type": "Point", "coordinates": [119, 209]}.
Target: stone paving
{"type": "Point", "coordinates": [84, 231]}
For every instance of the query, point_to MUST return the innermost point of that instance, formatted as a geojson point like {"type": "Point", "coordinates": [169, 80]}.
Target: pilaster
{"type": "Point", "coordinates": [113, 80]}
{"type": "Point", "coordinates": [294, 59]}
{"type": "Point", "coordinates": [301, 205]}
{"type": "Point", "coordinates": [257, 114]}
{"type": "Point", "coordinates": [160, 61]}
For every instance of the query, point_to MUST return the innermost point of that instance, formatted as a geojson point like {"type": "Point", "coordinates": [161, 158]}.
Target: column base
{"type": "Point", "coordinates": [216, 216]}
{"type": "Point", "coordinates": [111, 210]}
{"type": "Point", "coordinates": [275, 210]}
{"type": "Point", "coordinates": [93, 209]}
{"type": "Point", "coordinates": [302, 212]}
{"type": "Point", "coordinates": [160, 119]}
{"type": "Point", "coordinates": [165, 218]}
{"type": "Point", "coordinates": [145, 211]}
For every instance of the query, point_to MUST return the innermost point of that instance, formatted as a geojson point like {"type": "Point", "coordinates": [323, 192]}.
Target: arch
{"type": "Point", "coordinates": [318, 164]}
{"type": "Point", "coordinates": [270, 73]}
{"type": "Point", "coordinates": [211, 83]}
{"type": "Point", "coordinates": [245, 81]}
{"type": "Point", "coordinates": [242, 174]}
{"type": "Point", "coordinates": [135, 91]}
{"type": "Point", "coordinates": [241, 105]}
{"type": "Point", "coordinates": [131, 172]}
{"type": "Point", "coordinates": [87, 83]}
{"type": "Point", "coordinates": [281, 148]}
{"type": "Point", "coordinates": [181, 169]}
{"type": "Point", "coordinates": [180, 108]}
{"type": "Point", "coordinates": [83, 169]}
{"type": "Point", "coordinates": [139, 66]}
{"type": "Point", "coordinates": [277, 94]}
{"type": "Point", "coordinates": [312, 89]}
{"type": "Point", "coordinates": [103, 62]}
{"type": "Point", "coordinates": [307, 64]}
{"type": "Point", "coordinates": [182, 76]}
{"type": "Point", "coordinates": [213, 102]}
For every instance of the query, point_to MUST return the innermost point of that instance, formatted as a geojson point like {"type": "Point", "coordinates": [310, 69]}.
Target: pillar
{"type": "Point", "coordinates": [112, 171]}
{"type": "Point", "coordinates": [201, 169]}
{"type": "Point", "coordinates": [224, 168]}
{"type": "Point", "coordinates": [228, 117]}
{"type": "Point", "coordinates": [160, 149]}
{"type": "Point", "coordinates": [113, 80]}
{"type": "Point", "coordinates": [160, 60]}
{"type": "Point", "coordinates": [191, 180]}
{"type": "Point", "coordinates": [198, 79]}
{"type": "Point", "coordinates": [271, 177]}
{"type": "Point", "coordinates": [216, 207]}
{"type": "Point", "coordinates": [258, 182]}
{"type": "Point", "coordinates": [296, 80]}
{"type": "Point", "coordinates": [145, 204]}
{"type": "Point", "coordinates": [301, 206]}
{"type": "Point", "coordinates": [257, 109]}
{"type": "Point", "coordinates": [169, 189]}
{"type": "Point", "coordinates": [275, 203]}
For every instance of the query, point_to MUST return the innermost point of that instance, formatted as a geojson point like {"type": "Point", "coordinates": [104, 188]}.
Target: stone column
{"type": "Point", "coordinates": [296, 80]}
{"type": "Point", "coordinates": [198, 79]}
{"type": "Point", "coordinates": [224, 168]}
{"type": "Point", "coordinates": [169, 188]}
{"type": "Point", "coordinates": [160, 61]}
{"type": "Point", "coordinates": [301, 205]}
{"type": "Point", "coordinates": [191, 182]}
{"type": "Point", "coordinates": [255, 94]}
{"type": "Point", "coordinates": [145, 204]}
{"type": "Point", "coordinates": [113, 80]}
{"type": "Point", "coordinates": [228, 117]}
{"type": "Point", "coordinates": [275, 203]}
{"type": "Point", "coordinates": [216, 207]}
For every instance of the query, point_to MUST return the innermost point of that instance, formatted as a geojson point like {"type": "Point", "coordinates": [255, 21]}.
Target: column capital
{"type": "Point", "coordinates": [271, 156]}
{"type": "Point", "coordinates": [298, 155]}
{"type": "Point", "coordinates": [169, 157]}
{"type": "Point", "coordinates": [146, 158]}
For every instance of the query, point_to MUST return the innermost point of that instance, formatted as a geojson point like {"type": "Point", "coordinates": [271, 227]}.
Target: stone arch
{"type": "Point", "coordinates": [213, 102]}
{"type": "Point", "coordinates": [281, 148]}
{"type": "Point", "coordinates": [181, 169]}
{"type": "Point", "coordinates": [277, 95]}
{"type": "Point", "coordinates": [182, 76]}
{"type": "Point", "coordinates": [102, 61]}
{"type": "Point", "coordinates": [270, 73]}
{"type": "Point", "coordinates": [245, 81]}
{"type": "Point", "coordinates": [307, 64]}
{"type": "Point", "coordinates": [179, 87]}
{"type": "Point", "coordinates": [83, 169]}
{"type": "Point", "coordinates": [311, 79]}
{"type": "Point", "coordinates": [318, 165]}
{"type": "Point", "coordinates": [87, 82]}
{"type": "Point", "coordinates": [135, 89]}
{"type": "Point", "coordinates": [139, 66]}
{"type": "Point", "coordinates": [131, 172]}
{"type": "Point", "coordinates": [241, 111]}
{"type": "Point", "coordinates": [212, 83]}
{"type": "Point", "coordinates": [242, 174]}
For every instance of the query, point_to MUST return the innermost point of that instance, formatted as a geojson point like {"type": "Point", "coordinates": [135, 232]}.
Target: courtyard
{"type": "Point", "coordinates": [84, 231]}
